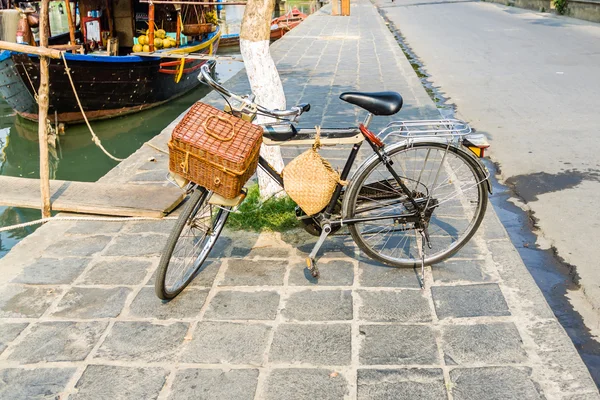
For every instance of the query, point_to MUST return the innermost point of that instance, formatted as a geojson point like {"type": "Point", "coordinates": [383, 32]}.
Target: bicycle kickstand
{"type": "Point", "coordinates": [422, 278]}
{"type": "Point", "coordinates": [311, 262]}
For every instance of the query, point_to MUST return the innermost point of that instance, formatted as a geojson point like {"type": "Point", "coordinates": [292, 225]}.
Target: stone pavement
{"type": "Point", "coordinates": [79, 318]}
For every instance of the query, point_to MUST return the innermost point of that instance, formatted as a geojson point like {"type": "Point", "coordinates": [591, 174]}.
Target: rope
{"type": "Point", "coordinates": [31, 83]}
{"type": "Point", "coordinates": [43, 220]}
{"type": "Point", "coordinates": [156, 148]}
{"type": "Point", "coordinates": [95, 138]}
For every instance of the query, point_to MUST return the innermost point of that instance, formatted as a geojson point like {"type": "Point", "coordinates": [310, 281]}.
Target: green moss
{"type": "Point", "coordinates": [275, 214]}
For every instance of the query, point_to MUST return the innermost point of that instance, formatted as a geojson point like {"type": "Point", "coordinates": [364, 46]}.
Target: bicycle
{"type": "Point", "coordinates": [412, 203]}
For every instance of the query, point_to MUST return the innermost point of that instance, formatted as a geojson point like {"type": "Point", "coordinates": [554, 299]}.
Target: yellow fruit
{"type": "Point", "coordinates": [166, 44]}
{"type": "Point", "coordinates": [158, 43]}
{"type": "Point", "coordinates": [146, 48]}
{"type": "Point", "coordinates": [143, 40]}
{"type": "Point", "coordinates": [137, 48]}
{"type": "Point", "coordinates": [161, 34]}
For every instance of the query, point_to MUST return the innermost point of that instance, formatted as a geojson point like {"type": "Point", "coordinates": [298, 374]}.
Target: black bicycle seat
{"type": "Point", "coordinates": [378, 103]}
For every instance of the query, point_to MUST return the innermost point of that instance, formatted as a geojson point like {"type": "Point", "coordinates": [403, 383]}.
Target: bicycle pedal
{"type": "Point", "coordinates": [311, 265]}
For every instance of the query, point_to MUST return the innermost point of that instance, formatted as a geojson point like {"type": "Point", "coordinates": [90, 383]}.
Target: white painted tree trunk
{"type": "Point", "coordinates": [264, 79]}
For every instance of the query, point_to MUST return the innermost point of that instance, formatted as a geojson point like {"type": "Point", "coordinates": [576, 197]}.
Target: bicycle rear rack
{"type": "Point", "coordinates": [450, 129]}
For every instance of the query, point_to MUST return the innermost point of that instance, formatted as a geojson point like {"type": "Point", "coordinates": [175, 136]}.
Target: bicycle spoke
{"type": "Point", "coordinates": [439, 179]}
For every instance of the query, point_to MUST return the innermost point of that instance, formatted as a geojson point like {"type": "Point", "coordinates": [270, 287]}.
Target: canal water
{"type": "Point", "coordinates": [76, 157]}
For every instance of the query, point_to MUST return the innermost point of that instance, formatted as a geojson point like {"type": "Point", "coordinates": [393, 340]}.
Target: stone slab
{"type": "Point", "coordinates": [92, 303]}
{"type": "Point", "coordinates": [311, 344]}
{"type": "Point", "coordinates": [142, 341]}
{"type": "Point", "coordinates": [58, 341]}
{"type": "Point", "coordinates": [119, 271]}
{"type": "Point", "coordinates": [303, 383]}
{"type": "Point", "coordinates": [100, 382]}
{"type": "Point", "coordinates": [412, 383]}
{"type": "Point", "coordinates": [214, 384]}
{"type": "Point", "coordinates": [498, 343]}
{"type": "Point", "coordinates": [78, 246]}
{"type": "Point", "coordinates": [333, 273]}
{"type": "Point", "coordinates": [137, 245]}
{"type": "Point", "coordinates": [396, 306]}
{"type": "Point", "coordinates": [375, 274]}
{"type": "Point", "coordinates": [48, 271]}
{"type": "Point", "coordinates": [243, 272]}
{"type": "Point", "coordinates": [469, 301]}
{"type": "Point", "coordinates": [238, 305]}
{"type": "Point", "coordinates": [398, 345]}
{"type": "Point", "coordinates": [95, 227]}
{"type": "Point", "coordinates": [9, 331]}
{"type": "Point", "coordinates": [204, 277]}
{"type": "Point", "coordinates": [38, 384]}
{"type": "Point", "coordinates": [460, 270]}
{"type": "Point", "coordinates": [163, 227]}
{"type": "Point", "coordinates": [186, 305]}
{"type": "Point", "coordinates": [495, 383]}
{"type": "Point", "coordinates": [319, 305]}
{"type": "Point", "coordinates": [18, 301]}
{"type": "Point", "coordinates": [223, 342]}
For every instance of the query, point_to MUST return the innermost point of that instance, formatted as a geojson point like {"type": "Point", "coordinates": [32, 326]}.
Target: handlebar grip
{"type": "Point", "coordinates": [305, 107]}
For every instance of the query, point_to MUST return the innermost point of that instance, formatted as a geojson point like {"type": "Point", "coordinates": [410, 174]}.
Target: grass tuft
{"type": "Point", "coordinates": [275, 214]}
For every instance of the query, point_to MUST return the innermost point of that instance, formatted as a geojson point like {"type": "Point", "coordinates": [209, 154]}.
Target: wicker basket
{"type": "Point", "coordinates": [197, 29]}
{"type": "Point", "coordinates": [310, 180]}
{"type": "Point", "coordinates": [215, 150]}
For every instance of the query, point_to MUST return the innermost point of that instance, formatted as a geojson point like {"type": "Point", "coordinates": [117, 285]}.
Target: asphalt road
{"type": "Point", "coordinates": [531, 82]}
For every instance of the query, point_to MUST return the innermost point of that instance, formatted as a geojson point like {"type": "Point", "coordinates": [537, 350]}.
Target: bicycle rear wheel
{"type": "Point", "coordinates": [189, 244]}
{"type": "Point", "coordinates": [444, 178]}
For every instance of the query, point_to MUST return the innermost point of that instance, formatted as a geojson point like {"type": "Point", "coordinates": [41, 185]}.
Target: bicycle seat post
{"type": "Point", "coordinates": [368, 120]}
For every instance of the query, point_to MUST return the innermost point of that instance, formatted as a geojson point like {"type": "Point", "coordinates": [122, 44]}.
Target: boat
{"type": "Point", "coordinates": [281, 25]}
{"type": "Point", "coordinates": [109, 83]}
{"type": "Point", "coordinates": [230, 40]}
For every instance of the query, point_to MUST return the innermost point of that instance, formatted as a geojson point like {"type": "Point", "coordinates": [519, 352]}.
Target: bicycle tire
{"type": "Point", "coordinates": [401, 162]}
{"type": "Point", "coordinates": [188, 217]}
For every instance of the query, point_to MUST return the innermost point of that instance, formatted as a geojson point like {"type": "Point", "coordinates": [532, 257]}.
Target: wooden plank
{"type": "Point", "coordinates": [92, 197]}
{"type": "Point", "coordinates": [23, 48]}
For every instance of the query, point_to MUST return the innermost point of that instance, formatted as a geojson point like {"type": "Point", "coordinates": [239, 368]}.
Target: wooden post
{"type": "Point", "coordinates": [178, 37]}
{"type": "Point", "coordinates": [71, 22]}
{"type": "Point", "coordinates": [335, 7]}
{"type": "Point", "coordinates": [151, 26]}
{"type": "Point", "coordinates": [23, 48]}
{"type": "Point", "coordinates": [346, 8]}
{"type": "Point", "coordinates": [43, 100]}
{"type": "Point", "coordinates": [110, 19]}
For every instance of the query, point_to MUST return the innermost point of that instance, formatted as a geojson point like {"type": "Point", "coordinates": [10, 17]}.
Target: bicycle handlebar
{"type": "Point", "coordinates": [207, 79]}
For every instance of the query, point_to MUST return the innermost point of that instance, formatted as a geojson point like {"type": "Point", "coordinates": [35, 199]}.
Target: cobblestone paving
{"type": "Point", "coordinates": [79, 318]}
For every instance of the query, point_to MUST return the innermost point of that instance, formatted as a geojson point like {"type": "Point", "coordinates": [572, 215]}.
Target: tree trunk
{"type": "Point", "coordinates": [43, 101]}
{"type": "Point", "coordinates": [264, 79]}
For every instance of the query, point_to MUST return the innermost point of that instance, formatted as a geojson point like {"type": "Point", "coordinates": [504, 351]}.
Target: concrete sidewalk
{"type": "Point", "coordinates": [79, 318]}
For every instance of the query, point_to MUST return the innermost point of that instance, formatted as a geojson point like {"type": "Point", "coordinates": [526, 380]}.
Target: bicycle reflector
{"type": "Point", "coordinates": [477, 143]}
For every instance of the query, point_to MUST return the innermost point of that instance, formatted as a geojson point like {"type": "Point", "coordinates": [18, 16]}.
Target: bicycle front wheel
{"type": "Point", "coordinates": [189, 244]}
{"type": "Point", "coordinates": [444, 178]}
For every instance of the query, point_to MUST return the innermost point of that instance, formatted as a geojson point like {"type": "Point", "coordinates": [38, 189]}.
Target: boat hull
{"type": "Point", "coordinates": [107, 87]}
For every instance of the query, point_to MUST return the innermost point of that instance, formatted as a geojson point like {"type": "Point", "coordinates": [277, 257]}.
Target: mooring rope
{"type": "Point", "coordinates": [95, 138]}
{"type": "Point", "coordinates": [114, 219]}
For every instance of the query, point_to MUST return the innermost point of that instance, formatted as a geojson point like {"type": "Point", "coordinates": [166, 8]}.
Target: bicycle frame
{"type": "Point", "coordinates": [377, 147]}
